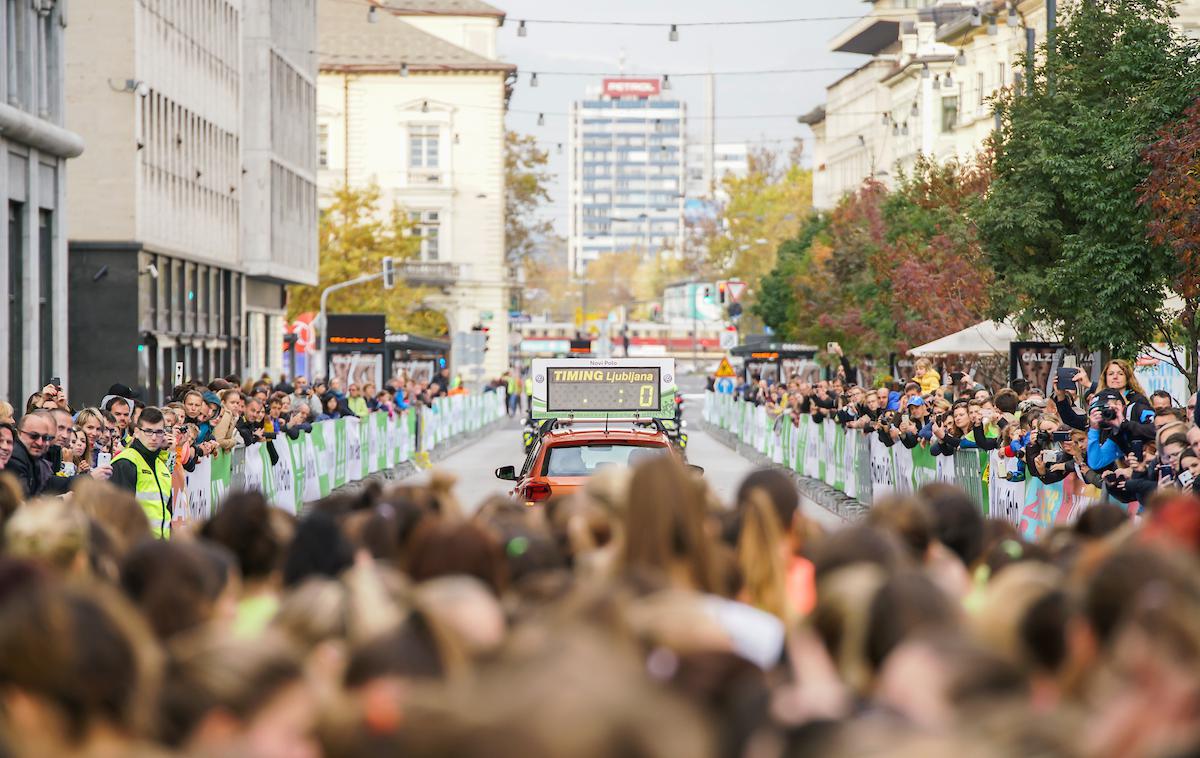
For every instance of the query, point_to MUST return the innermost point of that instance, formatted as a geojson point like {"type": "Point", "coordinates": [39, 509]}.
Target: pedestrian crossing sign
{"type": "Point", "coordinates": [725, 369]}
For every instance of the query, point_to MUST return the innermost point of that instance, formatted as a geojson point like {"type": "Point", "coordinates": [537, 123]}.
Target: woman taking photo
{"type": "Point", "coordinates": [965, 429]}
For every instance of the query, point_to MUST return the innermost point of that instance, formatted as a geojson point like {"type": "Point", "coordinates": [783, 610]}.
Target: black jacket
{"type": "Point", "coordinates": [35, 474]}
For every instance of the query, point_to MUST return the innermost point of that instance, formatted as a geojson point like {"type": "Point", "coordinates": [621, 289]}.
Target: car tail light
{"type": "Point", "coordinates": [535, 492]}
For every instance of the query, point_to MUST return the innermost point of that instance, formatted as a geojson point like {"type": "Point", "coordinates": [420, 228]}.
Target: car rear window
{"type": "Point", "coordinates": [585, 460]}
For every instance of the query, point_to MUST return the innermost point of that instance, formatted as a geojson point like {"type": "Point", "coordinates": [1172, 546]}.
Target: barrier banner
{"type": "Point", "coordinates": [863, 467]}
{"type": "Point", "coordinates": [339, 453]}
{"type": "Point", "coordinates": [199, 490]}
{"type": "Point", "coordinates": [883, 469]}
{"type": "Point", "coordinates": [332, 454]}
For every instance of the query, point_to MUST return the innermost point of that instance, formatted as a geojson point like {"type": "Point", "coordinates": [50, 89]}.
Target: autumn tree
{"type": "Point", "coordinates": [525, 190]}
{"type": "Point", "coordinates": [1062, 226]}
{"type": "Point", "coordinates": [1171, 195]}
{"type": "Point", "coordinates": [355, 234]}
{"type": "Point", "coordinates": [764, 208]}
{"type": "Point", "coordinates": [885, 270]}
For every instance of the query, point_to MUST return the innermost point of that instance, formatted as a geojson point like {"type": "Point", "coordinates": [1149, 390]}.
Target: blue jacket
{"type": "Point", "coordinates": [1101, 455]}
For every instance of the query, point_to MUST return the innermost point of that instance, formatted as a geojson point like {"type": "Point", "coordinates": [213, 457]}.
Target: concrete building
{"type": "Point", "coordinates": [625, 179]}
{"type": "Point", "coordinates": [34, 148]}
{"type": "Point", "coordinates": [932, 66]}
{"type": "Point", "coordinates": [279, 159]}
{"type": "Point", "coordinates": [199, 202]}
{"type": "Point", "coordinates": [728, 159]}
{"type": "Point", "coordinates": [412, 98]}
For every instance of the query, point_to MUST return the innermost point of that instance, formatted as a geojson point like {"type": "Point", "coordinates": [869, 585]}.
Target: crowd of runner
{"type": "Point", "coordinates": [639, 617]}
{"type": "Point", "coordinates": [1108, 432]}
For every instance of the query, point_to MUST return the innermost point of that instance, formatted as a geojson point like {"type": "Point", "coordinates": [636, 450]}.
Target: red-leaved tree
{"type": "Point", "coordinates": [1171, 195]}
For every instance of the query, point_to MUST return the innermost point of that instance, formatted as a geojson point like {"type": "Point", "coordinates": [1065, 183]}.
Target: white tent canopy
{"type": "Point", "coordinates": [984, 338]}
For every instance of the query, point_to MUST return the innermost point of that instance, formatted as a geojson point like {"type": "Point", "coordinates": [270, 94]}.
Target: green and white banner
{"type": "Point", "coordinates": [333, 454]}
{"type": "Point", "coordinates": [864, 468]}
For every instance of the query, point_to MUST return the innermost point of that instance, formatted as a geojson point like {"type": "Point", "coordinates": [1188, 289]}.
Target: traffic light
{"type": "Point", "coordinates": [707, 294]}
{"type": "Point", "coordinates": [389, 272]}
{"type": "Point", "coordinates": [722, 294]}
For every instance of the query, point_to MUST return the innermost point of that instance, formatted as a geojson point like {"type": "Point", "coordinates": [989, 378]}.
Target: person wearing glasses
{"type": "Point", "coordinates": [36, 433]}
{"type": "Point", "coordinates": [140, 470]}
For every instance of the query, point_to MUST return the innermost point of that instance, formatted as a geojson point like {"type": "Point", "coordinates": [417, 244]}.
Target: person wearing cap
{"type": "Point", "coordinates": [915, 425]}
{"type": "Point", "coordinates": [1108, 439]}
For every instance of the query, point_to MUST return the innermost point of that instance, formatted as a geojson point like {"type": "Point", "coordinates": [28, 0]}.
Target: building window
{"type": "Point", "coordinates": [949, 113]}
{"type": "Point", "coordinates": [16, 299]}
{"type": "Point", "coordinates": [427, 226]}
{"type": "Point", "coordinates": [323, 145]}
{"type": "Point", "coordinates": [423, 151]}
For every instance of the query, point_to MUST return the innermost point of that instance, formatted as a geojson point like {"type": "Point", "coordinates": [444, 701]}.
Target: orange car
{"type": "Point", "coordinates": [563, 457]}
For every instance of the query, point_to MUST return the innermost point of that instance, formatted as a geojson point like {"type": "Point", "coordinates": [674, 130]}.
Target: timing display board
{"type": "Point", "coordinates": [600, 388]}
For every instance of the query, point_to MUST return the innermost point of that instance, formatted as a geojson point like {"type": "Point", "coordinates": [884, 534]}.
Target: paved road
{"type": "Point", "coordinates": [474, 465]}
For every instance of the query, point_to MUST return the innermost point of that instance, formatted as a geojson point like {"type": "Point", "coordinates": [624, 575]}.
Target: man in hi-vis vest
{"type": "Point", "coordinates": [140, 470]}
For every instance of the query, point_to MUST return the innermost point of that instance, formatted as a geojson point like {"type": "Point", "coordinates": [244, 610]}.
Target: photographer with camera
{"type": "Point", "coordinates": [915, 426]}
{"type": "Point", "coordinates": [1110, 436]}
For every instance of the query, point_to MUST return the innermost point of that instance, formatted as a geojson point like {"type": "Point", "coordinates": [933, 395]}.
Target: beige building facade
{"type": "Point", "coordinates": [932, 67]}
{"type": "Point", "coordinates": [414, 102]}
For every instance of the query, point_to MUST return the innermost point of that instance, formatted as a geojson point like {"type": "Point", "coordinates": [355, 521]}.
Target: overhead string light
{"type": "Point", "coordinates": [666, 84]}
{"type": "Point", "coordinates": [673, 35]}
{"type": "Point", "coordinates": [403, 69]}
{"type": "Point", "coordinates": [961, 58]}
{"type": "Point", "coordinates": [541, 119]}
{"type": "Point", "coordinates": [533, 82]}
{"type": "Point", "coordinates": [373, 15]}
{"type": "Point", "coordinates": [521, 30]}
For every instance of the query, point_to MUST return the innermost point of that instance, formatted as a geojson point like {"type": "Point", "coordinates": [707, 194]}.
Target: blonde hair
{"type": "Point", "coordinates": [760, 560]}
{"type": "Point", "coordinates": [49, 530]}
{"type": "Point", "coordinates": [6, 412]}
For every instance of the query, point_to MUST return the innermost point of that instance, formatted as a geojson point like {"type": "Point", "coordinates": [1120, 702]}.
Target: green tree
{"type": "Point", "coordinates": [1061, 225]}
{"type": "Point", "coordinates": [355, 234]}
{"type": "Point", "coordinates": [777, 291]}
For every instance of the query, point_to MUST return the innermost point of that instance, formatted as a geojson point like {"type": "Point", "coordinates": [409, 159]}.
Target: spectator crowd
{"type": "Point", "coordinates": [52, 444]}
{"type": "Point", "coordinates": [1108, 432]}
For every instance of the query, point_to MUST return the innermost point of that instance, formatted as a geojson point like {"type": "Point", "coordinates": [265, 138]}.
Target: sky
{"type": "Point", "coordinates": [760, 109]}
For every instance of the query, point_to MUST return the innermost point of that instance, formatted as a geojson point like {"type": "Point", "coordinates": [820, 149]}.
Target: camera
{"type": "Point", "coordinates": [1051, 457]}
{"type": "Point", "coordinates": [1186, 478]}
{"type": "Point", "coordinates": [1108, 414]}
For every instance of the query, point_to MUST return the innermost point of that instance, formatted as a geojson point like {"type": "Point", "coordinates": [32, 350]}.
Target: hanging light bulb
{"type": "Point", "coordinates": [533, 79]}
{"type": "Point", "coordinates": [961, 59]}
{"type": "Point", "coordinates": [914, 110]}
{"type": "Point", "coordinates": [424, 106]}
{"type": "Point", "coordinates": [992, 29]}
{"type": "Point", "coordinates": [560, 148]}
{"type": "Point", "coordinates": [674, 34]}
{"type": "Point", "coordinates": [884, 119]}
{"type": "Point", "coordinates": [403, 69]}
{"type": "Point", "coordinates": [521, 29]}
{"type": "Point", "coordinates": [372, 16]}
{"type": "Point", "coordinates": [541, 119]}
{"type": "Point", "coordinates": [976, 19]}
{"type": "Point", "coordinates": [924, 70]}
{"type": "Point", "coordinates": [937, 82]}
{"type": "Point", "coordinates": [666, 81]}
{"type": "Point", "coordinates": [895, 130]}
{"type": "Point", "coordinates": [1012, 12]}
{"type": "Point", "coordinates": [904, 129]}
{"type": "Point", "coordinates": [949, 81]}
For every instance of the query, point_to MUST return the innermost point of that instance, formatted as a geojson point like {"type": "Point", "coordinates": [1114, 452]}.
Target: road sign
{"type": "Point", "coordinates": [724, 385]}
{"type": "Point", "coordinates": [725, 369]}
{"type": "Point", "coordinates": [728, 339]}
{"type": "Point", "coordinates": [734, 289]}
